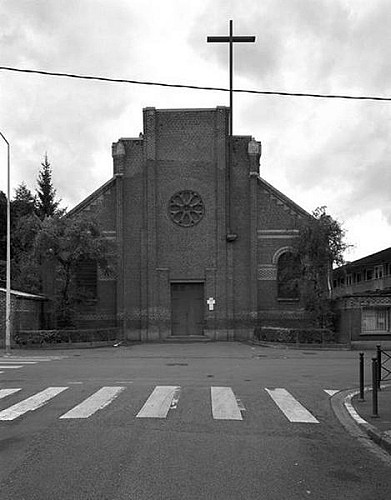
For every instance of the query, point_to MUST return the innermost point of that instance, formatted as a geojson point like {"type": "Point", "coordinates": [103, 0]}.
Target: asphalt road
{"type": "Point", "coordinates": [189, 453]}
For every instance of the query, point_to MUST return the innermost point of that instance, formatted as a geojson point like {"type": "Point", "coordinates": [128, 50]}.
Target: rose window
{"type": "Point", "coordinates": [186, 208]}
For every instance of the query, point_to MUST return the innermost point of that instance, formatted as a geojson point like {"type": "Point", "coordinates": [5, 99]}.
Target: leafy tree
{"type": "Point", "coordinates": [24, 203]}
{"type": "Point", "coordinates": [320, 246]}
{"type": "Point", "coordinates": [67, 242]}
{"type": "Point", "coordinates": [22, 210]}
{"type": "Point", "coordinates": [25, 268]}
{"type": "Point", "coordinates": [47, 205]}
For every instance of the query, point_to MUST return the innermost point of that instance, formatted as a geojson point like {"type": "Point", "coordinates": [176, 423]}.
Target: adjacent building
{"type": "Point", "coordinates": [362, 290]}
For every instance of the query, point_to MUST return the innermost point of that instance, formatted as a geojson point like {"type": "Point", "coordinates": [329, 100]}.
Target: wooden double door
{"type": "Point", "coordinates": [187, 309]}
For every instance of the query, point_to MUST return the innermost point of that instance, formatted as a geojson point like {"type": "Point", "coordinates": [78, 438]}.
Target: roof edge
{"type": "Point", "coordinates": [283, 197]}
{"type": "Point", "coordinates": [25, 295]}
{"type": "Point", "coordinates": [98, 192]}
{"type": "Point", "coordinates": [167, 110]}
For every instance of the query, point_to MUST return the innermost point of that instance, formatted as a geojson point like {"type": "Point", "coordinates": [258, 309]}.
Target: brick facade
{"type": "Point", "coordinates": [232, 248]}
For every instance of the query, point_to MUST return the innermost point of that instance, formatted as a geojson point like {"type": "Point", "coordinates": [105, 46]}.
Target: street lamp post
{"type": "Point", "coordinates": [8, 285]}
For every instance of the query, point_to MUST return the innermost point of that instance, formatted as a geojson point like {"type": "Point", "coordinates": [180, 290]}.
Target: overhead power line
{"type": "Point", "coordinates": [195, 87]}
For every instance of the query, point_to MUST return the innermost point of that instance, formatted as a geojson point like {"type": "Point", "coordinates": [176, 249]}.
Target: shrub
{"type": "Point", "coordinates": [294, 335]}
{"type": "Point", "coordinates": [42, 337]}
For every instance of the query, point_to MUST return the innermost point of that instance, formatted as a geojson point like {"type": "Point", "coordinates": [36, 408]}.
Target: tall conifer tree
{"type": "Point", "coordinates": [47, 205]}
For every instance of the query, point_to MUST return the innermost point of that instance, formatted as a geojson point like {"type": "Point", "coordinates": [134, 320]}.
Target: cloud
{"type": "Point", "coordinates": [319, 152]}
{"type": "Point", "coordinates": [70, 119]}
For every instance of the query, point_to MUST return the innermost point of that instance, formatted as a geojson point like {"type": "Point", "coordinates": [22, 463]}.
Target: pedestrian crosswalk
{"type": "Point", "coordinates": [222, 401]}
{"type": "Point", "coordinates": [291, 408]}
{"type": "Point", "coordinates": [17, 362]}
{"type": "Point", "coordinates": [224, 404]}
{"type": "Point", "coordinates": [159, 402]}
{"type": "Point", "coordinates": [96, 402]}
{"type": "Point", "coordinates": [6, 392]}
{"type": "Point", "coordinates": [32, 403]}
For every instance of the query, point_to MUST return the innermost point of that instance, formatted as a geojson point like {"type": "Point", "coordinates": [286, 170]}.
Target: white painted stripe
{"type": "Point", "coordinates": [96, 402]}
{"type": "Point", "coordinates": [7, 392]}
{"type": "Point", "coordinates": [3, 367]}
{"type": "Point", "coordinates": [1, 372]}
{"type": "Point", "coordinates": [330, 392]}
{"type": "Point", "coordinates": [292, 409]}
{"type": "Point", "coordinates": [30, 404]}
{"type": "Point", "coordinates": [224, 404]}
{"type": "Point", "coordinates": [159, 402]}
{"type": "Point", "coordinates": [9, 361]}
{"type": "Point", "coordinates": [22, 358]}
{"type": "Point", "coordinates": [36, 359]}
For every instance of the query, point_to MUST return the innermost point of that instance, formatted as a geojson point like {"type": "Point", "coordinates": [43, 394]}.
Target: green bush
{"type": "Point", "coordinates": [42, 337]}
{"type": "Point", "coordinates": [294, 335]}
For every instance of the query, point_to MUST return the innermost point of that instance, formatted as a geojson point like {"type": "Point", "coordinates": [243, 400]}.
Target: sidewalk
{"type": "Point", "coordinates": [377, 428]}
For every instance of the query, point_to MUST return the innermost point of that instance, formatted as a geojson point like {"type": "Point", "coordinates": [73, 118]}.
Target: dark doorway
{"type": "Point", "coordinates": [187, 308]}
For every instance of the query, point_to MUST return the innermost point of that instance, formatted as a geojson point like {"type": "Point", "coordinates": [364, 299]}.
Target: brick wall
{"type": "Point", "coordinates": [103, 206]}
{"type": "Point", "coordinates": [26, 314]}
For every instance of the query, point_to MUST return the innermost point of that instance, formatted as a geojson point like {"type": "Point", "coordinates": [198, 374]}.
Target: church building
{"type": "Point", "coordinates": [199, 241]}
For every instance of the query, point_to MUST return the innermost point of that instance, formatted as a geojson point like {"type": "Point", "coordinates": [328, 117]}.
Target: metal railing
{"type": "Point", "coordinates": [384, 364]}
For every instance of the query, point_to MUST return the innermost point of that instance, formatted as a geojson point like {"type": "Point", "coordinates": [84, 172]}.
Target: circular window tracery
{"type": "Point", "coordinates": [186, 208]}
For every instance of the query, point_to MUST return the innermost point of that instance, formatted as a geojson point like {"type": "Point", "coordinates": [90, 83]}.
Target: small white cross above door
{"type": "Point", "coordinates": [211, 303]}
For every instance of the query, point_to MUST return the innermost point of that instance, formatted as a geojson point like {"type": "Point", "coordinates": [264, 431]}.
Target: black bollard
{"type": "Point", "coordinates": [361, 376]}
{"type": "Point", "coordinates": [375, 409]}
{"type": "Point", "coordinates": [378, 354]}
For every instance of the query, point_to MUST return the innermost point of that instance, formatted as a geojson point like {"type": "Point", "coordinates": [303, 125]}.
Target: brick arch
{"type": "Point", "coordinates": [281, 251]}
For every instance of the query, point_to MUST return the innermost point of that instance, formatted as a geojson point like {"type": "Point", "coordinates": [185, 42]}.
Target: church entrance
{"type": "Point", "coordinates": [187, 309]}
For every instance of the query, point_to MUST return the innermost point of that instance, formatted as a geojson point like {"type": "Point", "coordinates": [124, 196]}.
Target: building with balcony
{"type": "Point", "coordinates": [362, 290]}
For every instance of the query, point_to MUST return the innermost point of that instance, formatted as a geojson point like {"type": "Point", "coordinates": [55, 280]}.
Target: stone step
{"type": "Point", "coordinates": [187, 338]}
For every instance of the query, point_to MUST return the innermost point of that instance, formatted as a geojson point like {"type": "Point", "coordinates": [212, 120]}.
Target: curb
{"type": "Point", "coordinates": [67, 345]}
{"type": "Point", "coordinates": [343, 401]}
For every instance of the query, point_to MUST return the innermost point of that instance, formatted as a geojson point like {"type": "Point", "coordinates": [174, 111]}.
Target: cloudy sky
{"type": "Point", "coordinates": [318, 152]}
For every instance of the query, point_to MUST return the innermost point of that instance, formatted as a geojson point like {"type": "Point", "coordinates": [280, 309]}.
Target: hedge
{"type": "Point", "coordinates": [294, 335]}
{"type": "Point", "coordinates": [40, 337]}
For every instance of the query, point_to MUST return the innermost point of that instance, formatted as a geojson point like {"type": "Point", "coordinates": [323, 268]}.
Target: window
{"type": "Point", "coordinates": [87, 278]}
{"type": "Point", "coordinates": [368, 274]}
{"type": "Point", "coordinates": [378, 272]}
{"type": "Point", "coordinates": [288, 275]}
{"type": "Point", "coordinates": [349, 279]}
{"type": "Point", "coordinates": [375, 320]}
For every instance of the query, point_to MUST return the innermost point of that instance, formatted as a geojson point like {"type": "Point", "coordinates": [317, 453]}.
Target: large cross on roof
{"type": "Point", "coordinates": [231, 39]}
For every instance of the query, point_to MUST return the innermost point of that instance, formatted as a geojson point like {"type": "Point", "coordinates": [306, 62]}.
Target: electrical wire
{"type": "Point", "coordinates": [194, 87]}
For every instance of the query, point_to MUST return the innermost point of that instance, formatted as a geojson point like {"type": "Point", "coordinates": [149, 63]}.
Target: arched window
{"type": "Point", "coordinates": [288, 275]}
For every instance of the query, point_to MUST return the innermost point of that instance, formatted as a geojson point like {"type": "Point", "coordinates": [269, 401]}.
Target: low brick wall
{"type": "Point", "coordinates": [26, 312]}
